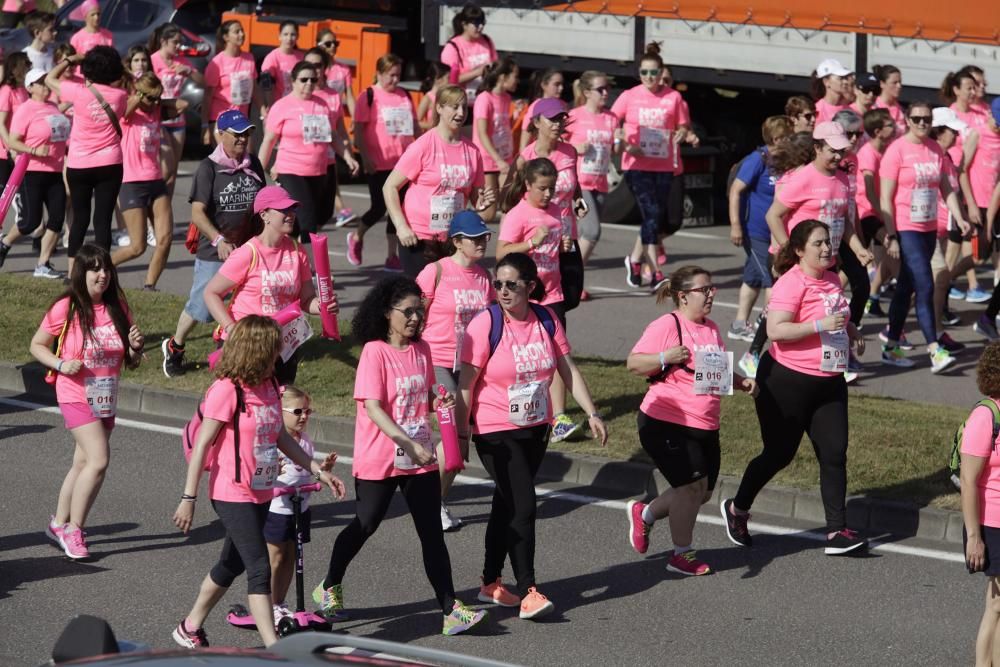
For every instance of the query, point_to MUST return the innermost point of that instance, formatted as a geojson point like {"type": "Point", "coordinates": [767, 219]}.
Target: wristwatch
{"type": "Point", "coordinates": [891, 237]}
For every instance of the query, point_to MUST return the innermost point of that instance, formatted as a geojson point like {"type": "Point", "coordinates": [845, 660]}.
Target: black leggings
{"type": "Point", "coordinates": [422, 493]}
{"type": "Point", "coordinates": [43, 188]}
{"type": "Point", "coordinates": [377, 211]}
{"type": "Point", "coordinates": [857, 277]}
{"type": "Point", "coordinates": [100, 184]}
{"type": "Point", "coordinates": [310, 192]}
{"type": "Point", "coordinates": [244, 549]}
{"type": "Point", "coordinates": [789, 405]}
{"type": "Point", "coordinates": [512, 459]}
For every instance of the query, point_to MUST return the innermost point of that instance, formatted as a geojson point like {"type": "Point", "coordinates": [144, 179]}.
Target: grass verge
{"type": "Point", "coordinates": [897, 448]}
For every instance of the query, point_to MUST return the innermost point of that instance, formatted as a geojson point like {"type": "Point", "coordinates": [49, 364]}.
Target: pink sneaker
{"type": "Point", "coordinates": [638, 530]}
{"type": "Point", "coordinates": [688, 564]}
{"type": "Point", "coordinates": [55, 532]}
{"type": "Point", "coordinates": [393, 265]}
{"type": "Point", "coordinates": [354, 249]}
{"type": "Point", "coordinates": [661, 256]}
{"type": "Point", "coordinates": [75, 544]}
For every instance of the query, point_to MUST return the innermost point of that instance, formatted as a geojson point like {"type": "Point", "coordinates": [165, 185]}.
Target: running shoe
{"type": "Point", "coordinates": [892, 355]}
{"type": "Point", "coordinates": [873, 307]}
{"type": "Point", "coordinates": [748, 364]}
{"type": "Point", "coordinates": [344, 216]}
{"type": "Point", "coordinates": [658, 280]}
{"type": "Point", "coordinates": [903, 343]}
{"type": "Point", "coordinates": [122, 240]}
{"type": "Point", "coordinates": [940, 360]}
{"type": "Point", "coordinates": [740, 330]}
{"type": "Point", "coordinates": [661, 257]}
{"type": "Point", "coordinates": [986, 328]}
{"type": "Point", "coordinates": [190, 639]}
{"type": "Point", "coordinates": [75, 543]}
{"type": "Point", "coordinates": [562, 428]}
{"type": "Point", "coordinates": [330, 601]}
{"type": "Point", "coordinates": [4, 249]}
{"type": "Point", "coordinates": [392, 264]}
{"type": "Point", "coordinates": [633, 271]}
{"type": "Point", "coordinates": [949, 318]}
{"type": "Point", "coordinates": [844, 541]}
{"type": "Point", "coordinates": [355, 247]}
{"type": "Point", "coordinates": [449, 522]}
{"type": "Point", "coordinates": [950, 344]}
{"type": "Point", "coordinates": [281, 611]}
{"type": "Point", "coordinates": [461, 619]}
{"type": "Point", "coordinates": [46, 271]}
{"type": "Point", "coordinates": [54, 531]}
{"type": "Point", "coordinates": [956, 294]}
{"type": "Point", "coordinates": [736, 524]}
{"type": "Point", "coordinates": [638, 530]}
{"type": "Point", "coordinates": [497, 593]}
{"type": "Point", "coordinates": [688, 564]}
{"type": "Point", "coordinates": [173, 358]}
{"type": "Point", "coordinates": [535, 605]}
{"type": "Point", "coordinates": [150, 236]}
{"type": "Point", "coordinates": [850, 376]}
{"type": "Point", "coordinates": [853, 364]}
{"type": "Point", "coordinates": [977, 296]}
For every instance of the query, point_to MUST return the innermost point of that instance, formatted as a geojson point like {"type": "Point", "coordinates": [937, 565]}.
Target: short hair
{"type": "Point", "coordinates": [301, 65]}
{"type": "Point", "coordinates": [776, 127]}
{"type": "Point", "coordinates": [798, 105]}
{"type": "Point", "coordinates": [387, 62]}
{"type": "Point", "coordinates": [875, 120]}
{"type": "Point", "coordinates": [103, 65]}
{"type": "Point", "coordinates": [36, 21]}
{"type": "Point", "coordinates": [988, 371]}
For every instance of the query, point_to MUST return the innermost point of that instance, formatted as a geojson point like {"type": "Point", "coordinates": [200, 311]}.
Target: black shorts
{"type": "Point", "coordinates": [870, 227]}
{"type": "Point", "coordinates": [991, 538]}
{"type": "Point", "coordinates": [681, 453]}
{"type": "Point", "coordinates": [141, 194]}
{"type": "Point", "coordinates": [280, 528]}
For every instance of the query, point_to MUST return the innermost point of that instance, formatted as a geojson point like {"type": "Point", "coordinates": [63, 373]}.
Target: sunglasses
{"type": "Point", "coordinates": [411, 312]}
{"type": "Point", "coordinates": [151, 99]}
{"type": "Point", "coordinates": [920, 120]}
{"type": "Point", "coordinates": [511, 285]}
{"type": "Point", "coordinates": [482, 238]}
{"type": "Point", "coordinates": [854, 135]}
{"type": "Point", "coordinates": [330, 44]}
{"type": "Point", "coordinates": [706, 291]}
{"type": "Point", "coordinates": [649, 72]}
{"type": "Point", "coordinates": [298, 412]}
{"type": "Point", "coordinates": [808, 115]}
{"type": "Point", "coordinates": [478, 24]}
{"type": "Point", "coordinates": [308, 79]}
{"type": "Point", "coordinates": [600, 89]}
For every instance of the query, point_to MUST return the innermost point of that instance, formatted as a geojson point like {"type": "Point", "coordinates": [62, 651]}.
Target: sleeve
{"type": "Point", "coordinates": [369, 383]}
{"type": "Point", "coordinates": [683, 112]}
{"type": "Point", "coordinates": [889, 168]}
{"type": "Point", "coordinates": [866, 161]}
{"type": "Point", "coordinates": [482, 107]}
{"type": "Point", "coordinates": [620, 107]}
{"type": "Point", "coordinates": [658, 336]}
{"type": "Point", "coordinates": [478, 175]}
{"type": "Point", "coordinates": [450, 57]}
{"type": "Point", "coordinates": [793, 194]}
{"type": "Point", "coordinates": [270, 65]}
{"type": "Point", "coordinates": [55, 317]}
{"type": "Point", "coordinates": [75, 40]}
{"type": "Point", "coordinates": [786, 295]}
{"type": "Point", "coordinates": [275, 120]}
{"type": "Point", "coordinates": [237, 264]}
{"type": "Point", "coordinates": [5, 99]}
{"type": "Point", "coordinates": [476, 342]}
{"type": "Point", "coordinates": [212, 75]}
{"type": "Point", "coordinates": [426, 278]}
{"type": "Point", "coordinates": [220, 401]}
{"type": "Point", "coordinates": [977, 436]}
{"type": "Point", "coordinates": [411, 162]}
{"type": "Point", "coordinates": [362, 111]}
{"type": "Point", "coordinates": [69, 91]}
{"type": "Point", "coordinates": [750, 170]}
{"type": "Point", "coordinates": [19, 121]}
{"type": "Point", "coordinates": [202, 183]}
{"type": "Point", "coordinates": [512, 227]}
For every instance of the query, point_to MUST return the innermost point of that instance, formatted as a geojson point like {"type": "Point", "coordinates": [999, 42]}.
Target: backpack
{"type": "Point", "coordinates": [190, 434]}
{"type": "Point", "coordinates": [662, 375]}
{"type": "Point", "coordinates": [543, 314]}
{"type": "Point", "coordinates": [955, 460]}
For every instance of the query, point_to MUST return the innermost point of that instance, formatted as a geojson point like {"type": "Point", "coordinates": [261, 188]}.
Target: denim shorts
{"type": "Point", "coordinates": [204, 271]}
{"type": "Point", "coordinates": [757, 268]}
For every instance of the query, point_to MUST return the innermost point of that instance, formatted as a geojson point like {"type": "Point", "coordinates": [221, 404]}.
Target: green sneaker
{"type": "Point", "coordinates": [461, 619]}
{"type": "Point", "coordinates": [330, 601]}
{"type": "Point", "coordinates": [562, 428]}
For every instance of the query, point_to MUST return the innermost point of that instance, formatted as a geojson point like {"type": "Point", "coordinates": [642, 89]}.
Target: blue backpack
{"type": "Point", "coordinates": [543, 314]}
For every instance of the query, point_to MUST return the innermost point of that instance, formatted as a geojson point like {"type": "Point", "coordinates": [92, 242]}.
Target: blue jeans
{"type": "Point", "coordinates": [651, 190]}
{"type": "Point", "coordinates": [915, 251]}
{"type": "Point", "coordinates": [204, 271]}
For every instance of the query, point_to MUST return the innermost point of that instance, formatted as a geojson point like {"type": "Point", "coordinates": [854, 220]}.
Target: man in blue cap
{"type": "Point", "coordinates": [222, 192]}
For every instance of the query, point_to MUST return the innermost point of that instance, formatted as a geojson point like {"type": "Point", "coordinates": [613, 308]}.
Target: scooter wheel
{"type": "Point", "coordinates": [287, 626]}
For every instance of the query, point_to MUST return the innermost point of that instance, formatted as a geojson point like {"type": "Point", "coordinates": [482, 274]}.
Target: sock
{"type": "Point", "coordinates": [647, 516]}
{"type": "Point", "coordinates": [678, 550]}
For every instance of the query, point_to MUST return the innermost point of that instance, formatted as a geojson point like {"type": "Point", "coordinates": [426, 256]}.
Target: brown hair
{"type": "Point", "coordinates": [988, 371]}
{"type": "Point", "coordinates": [876, 119]}
{"type": "Point", "coordinates": [387, 62]}
{"type": "Point", "coordinates": [220, 34]}
{"type": "Point", "coordinates": [679, 280]}
{"type": "Point", "coordinates": [774, 128]}
{"type": "Point", "coordinates": [652, 53]}
{"type": "Point", "coordinates": [249, 353]}
{"type": "Point", "coordinates": [451, 94]}
{"type": "Point", "coordinates": [953, 80]}
{"type": "Point", "coordinates": [788, 255]}
{"type": "Point", "coordinates": [791, 154]}
{"type": "Point", "coordinates": [797, 105]}
{"type": "Point", "coordinates": [540, 167]}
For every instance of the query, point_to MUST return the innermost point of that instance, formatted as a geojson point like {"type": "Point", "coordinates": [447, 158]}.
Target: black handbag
{"type": "Point", "coordinates": [571, 270]}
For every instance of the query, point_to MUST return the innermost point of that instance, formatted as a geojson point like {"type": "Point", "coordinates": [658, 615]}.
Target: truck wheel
{"type": "Point", "coordinates": [620, 206]}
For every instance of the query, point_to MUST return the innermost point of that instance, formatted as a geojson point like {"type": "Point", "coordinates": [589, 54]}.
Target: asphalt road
{"type": "Point", "coordinates": [780, 603]}
{"type": "Point", "coordinates": [610, 324]}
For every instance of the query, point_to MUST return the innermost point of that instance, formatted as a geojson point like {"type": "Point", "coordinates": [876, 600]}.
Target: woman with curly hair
{"type": "Point", "coordinates": [393, 394]}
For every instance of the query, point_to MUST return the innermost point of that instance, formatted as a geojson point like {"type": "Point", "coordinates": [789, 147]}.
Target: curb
{"type": "Point", "coordinates": [621, 479]}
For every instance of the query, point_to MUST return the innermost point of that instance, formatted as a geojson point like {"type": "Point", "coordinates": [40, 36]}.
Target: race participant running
{"type": "Point", "coordinates": [12, 95]}
{"type": "Point", "coordinates": [890, 86]}
{"type": "Point", "coordinates": [242, 473]}
{"type": "Point", "coordinates": [386, 124]}
{"type": "Point", "coordinates": [394, 395]}
{"type": "Point", "coordinates": [222, 195]}
{"type": "Point", "coordinates": [801, 384]}
{"type": "Point", "coordinates": [881, 131]}
{"type": "Point", "coordinates": [827, 88]}
{"type": "Point", "coordinates": [91, 34]}
{"type": "Point", "coordinates": [455, 289]}
{"type": "Point", "coordinates": [444, 174]}
{"type": "Point", "coordinates": [230, 79]}
{"type": "Point", "coordinates": [276, 68]}
{"type": "Point", "coordinates": [504, 395]}
{"type": "Point", "coordinates": [912, 178]}
{"type": "Point", "coordinates": [173, 70]}
{"type": "Point", "coordinates": [469, 50]}
{"type": "Point", "coordinates": [545, 84]}
{"type": "Point", "coordinates": [684, 359]}
{"type": "Point", "coordinates": [491, 132]}
{"type": "Point", "coordinates": [267, 273]}
{"type": "Point", "coordinates": [92, 329]}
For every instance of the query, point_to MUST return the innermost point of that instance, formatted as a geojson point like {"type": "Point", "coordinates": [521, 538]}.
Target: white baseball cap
{"type": "Point", "coordinates": [33, 76]}
{"type": "Point", "coordinates": [945, 117]}
{"type": "Point", "coordinates": [831, 66]}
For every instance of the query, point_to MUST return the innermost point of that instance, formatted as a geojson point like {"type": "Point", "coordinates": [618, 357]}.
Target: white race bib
{"type": "Point", "coordinates": [713, 373]}
{"type": "Point", "coordinates": [503, 141]}
{"type": "Point", "coordinates": [528, 403]}
{"type": "Point", "coordinates": [265, 469]}
{"type": "Point", "coordinates": [337, 85]}
{"type": "Point", "coordinates": [420, 433]}
{"type": "Point", "coordinates": [654, 141]}
{"type": "Point", "coordinates": [58, 128]}
{"type": "Point", "coordinates": [293, 335]}
{"type": "Point", "coordinates": [835, 346]}
{"type": "Point", "coordinates": [398, 121]}
{"type": "Point", "coordinates": [597, 160]}
{"type": "Point", "coordinates": [836, 233]}
{"type": "Point", "coordinates": [240, 88]}
{"type": "Point", "coordinates": [102, 395]}
{"type": "Point", "coordinates": [316, 128]}
{"type": "Point", "coordinates": [923, 204]}
{"type": "Point", "coordinates": [443, 208]}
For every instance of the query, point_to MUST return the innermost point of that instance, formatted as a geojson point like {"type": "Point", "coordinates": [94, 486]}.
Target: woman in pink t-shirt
{"type": "Point", "coordinates": [684, 359]}
{"type": "Point", "coordinates": [393, 447]}
{"type": "Point", "coordinates": [828, 85]}
{"type": "Point", "coordinates": [547, 128]}
{"type": "Point", "coordinates": [337, 75]}
{"type": "Point", "coordinates": [891, 87]}
{"type": "Point", "coordinates": [230, 79]}
{"type": "Point", "coordinates": [91, 34]}
{"type": "Point", "coordinates": [276, 68]}
{"type": "Point", "coordinates": [510, 355]}
{"type": "Point", "coordinates": [491, 132]}
{"type": "Point", "coordinates": [240, 436]}
{"type": "Point", "coordinates": [92, 330]}
{"type": "Point", "coordinates": [802, 111]}
{"type": "Point", "coordinates": [545, 84]}
{"type": "Point", "coordinates": [173, 70]}
{"type": "Point", "coordinates": [469, 51]}
{"type": "Point", "coordinates": [912, 181]}
{"type": "Point", "coordinates": [801, 383]}
{"type": "Point", "coordinates": [12, 95]}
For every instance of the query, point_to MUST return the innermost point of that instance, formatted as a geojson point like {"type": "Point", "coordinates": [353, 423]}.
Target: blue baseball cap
{"type": "Point", "coordinates": [234, 120]}
{"type": "Point", "coordinates": [467, 223]}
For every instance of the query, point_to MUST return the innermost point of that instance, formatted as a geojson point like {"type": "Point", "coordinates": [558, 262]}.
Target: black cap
{"type": "Point", "coordinates": [868, 82]}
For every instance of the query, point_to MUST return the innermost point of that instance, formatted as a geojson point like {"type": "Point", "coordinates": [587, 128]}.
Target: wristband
{"type": "Point", "coordinates": [189, 499]}
{"type": "Point", "coordinates": [663, 361]}
{"type": "Point", "coordinates": [818, 325]}
{"type": "Point", "coordinates": [217, 240]}
{"type": "Point", "coordinates": [59, 366]}
{"type": "Point", "coordinates": [597, 415]}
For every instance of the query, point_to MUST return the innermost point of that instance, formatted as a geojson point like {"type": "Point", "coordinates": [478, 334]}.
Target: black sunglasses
{"type": "Point", "coordinates": [478, 24]}
{"type": "Point", "coordinates": [854, 135]}
{"type": "Point", "coordinates": [808, 115]}
{"type": "Point", "coordinates": [921, 120]}
{"type": "Point", "coordinates": [408, 313]}
{"type": "Point", "coordinates": [600, 89]}
{"type": "Point", "coordinates": [308, 79]}
{"type": "Point", "coordinates": [327, 44]}
{"type": "Point", "coordinates": [511, 285]}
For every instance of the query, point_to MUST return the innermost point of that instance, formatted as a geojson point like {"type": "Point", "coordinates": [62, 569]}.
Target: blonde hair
{"type": "Point", "coordinates": [293, 393]}
{"type": "Point", "coordinates": [583, 84]}
{"type": "Point", "coordinates": [680, 280]}
{"type": "Point", "coordinates": [149, 84]}
{"type": "Point", "coordinates": [451, 95]}
{"type": "Point", "coordinates": [387, 62]}
{"type": "Point", "coordinates": [249, 353]}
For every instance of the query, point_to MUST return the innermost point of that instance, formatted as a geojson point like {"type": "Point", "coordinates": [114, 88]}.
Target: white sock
{"type": "Point", "coordinates": [647, 516]}
{"type": "Point", "coordinates": [678, 550]}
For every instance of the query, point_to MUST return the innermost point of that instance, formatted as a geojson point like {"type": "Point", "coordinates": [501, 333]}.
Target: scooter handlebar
{"type": "Point", "coordinates": [289, 490]}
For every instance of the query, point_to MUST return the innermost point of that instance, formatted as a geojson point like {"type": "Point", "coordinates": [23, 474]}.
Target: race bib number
{"type": "Point", "coordinates": [316, 129]}
{"type": "Point", "coordinates": [58, 128]}
{"type": "Point", "coordinates": [266, 465]}
{"type": "Point", "coordinates": [398, 121]}
{"type": "Point", "coordinates": [149, 139]}
{"type": "Point", "coordinates": [443, 209]}
{"type": "Point", "coordinates": [654, 141]}
{"type": "Point", "coordinates": [240, 88]}
{"type": "Point", "coordinates": [503, 142]}
{"type": "Point", "coordinates": [923, 205]}
{"type": "Point", "coordinates": [293, 335]}
{"type": "Point", "coordinates": [836, 233]}
{"type": "Point", "coordinates": [102, 395]}
{"type": "Point", "coordinates": [835, 345]}
{"type": "Point", "coordinates": [420, 433]}
{"type": "Point", "coordinates": [597, 160]}
{"type": "Point", "coordinates": [337, 85]}
{"type": "Point", "coordinates": [713, 373]}
{"type": "Point", "coordinates": [528, 403]}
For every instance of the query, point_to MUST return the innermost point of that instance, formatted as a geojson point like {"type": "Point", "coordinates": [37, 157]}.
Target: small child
{"type": "Point", "coordinates": [279, 529]}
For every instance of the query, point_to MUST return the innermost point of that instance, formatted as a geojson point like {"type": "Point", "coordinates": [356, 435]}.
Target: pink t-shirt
{"type": "Point", "coordinates": [39, 124]}
{"type": "Point", "coordinates": [304, 129]}
{"type": "Point", "coordinates": [526, 355]}
{"type": "Point", "coordinates": [869, 160]}
{"type": "Point", "coordinates": [401, 380]}
{"type": "Point", "coordinates": [274, 282]}
{"type": "Point", "coordinates": [232, 81]}
{"type": "Point", "coordinates": [944, 220]}
{"type": "Point", "coordinates": [916, 169]}
{"type": "Point", "coordinates": [495, 109]}
{"type": "Point", "coordinates": [826, 111]}
{"type": "Point", "coordinates": [461, 293]}
{"type": "Point", "coordinates": [11, 97]}
{"type": "Point", "coordinates": [390, 125]}
{"type": "Point", "coordinates": [977, 440]}
{"type": "Point", "coordinates": [812, 195]}
{"type": "Point", "coordinates": [338, 78]}
{"type": "Point", "coordinates": [279, 65]}
{"type": "Point", "coordinates": [520, 224]}
{"type": "Point", "coordinates": [442, 176]}
{"type": "Point", "coordinates": [11, 6]}
{"type": "Point", "coordinates": [673, 400]}
{"type": "Point", "coordinates": [141, 146]}
{"type": "Point", "coordinates": [83, 40]}
{"type": "Point", "coordinates": [563, 156]}
{"type": "Point", "coordinates": [650, 120]}
{"type": "Point", "coordinates": [333, 100]}
{"type": "Point", "coordinates": [95, 142]}
{"type": "Point", "coordinates": [172, 80]}
{"type": "Point", "coordinates": [897, 113]}
{"type": "Point", "coordinates": [808, 299]}
{"type": "Point", "coordinates": [260, 426]}
{"type": "Point", "coordinates": [598, 130]}
{"type": "Point", "coordinates": [985, 165]}
{"type": "Point", "coordinates": [102, 354]}
{"type": "Point", "coordinates": [462, 55]}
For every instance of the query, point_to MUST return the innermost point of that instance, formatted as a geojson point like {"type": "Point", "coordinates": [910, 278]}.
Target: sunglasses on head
{"type": "Point", "coordinates": [649, 72]}
{"type": "Point", "coordinates": [412, 311]}
{"type": "Point", "coordinates": [330, 43]}
{"type": "Point", "coordinates": [298, 412]}
{"type": "Point", "coordinates": [308, 79]}
{"type": "Point", "coordinates": [920, 120]}
{"type": "Point", "coordinates": [511, 285]}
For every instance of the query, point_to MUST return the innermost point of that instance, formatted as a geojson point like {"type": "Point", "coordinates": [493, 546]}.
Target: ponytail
{"type": "Point", "coordinates": [817, 89]}
{"type": "Point", "coordinates": [503, 67]}
{"type": "Point", "coordinates": [538, 79]}
{"type": "Point", "coordinates": [517, 185]}
{"type": "Point", "coordinates": [679, 280]}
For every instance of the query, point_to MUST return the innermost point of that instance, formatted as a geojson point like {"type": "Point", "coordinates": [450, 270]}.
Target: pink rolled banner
{"type": "Point", "coordinates": [13, 183]}
{"type": "Point", "coordinates": [288, 313]}
{"type": "Point", "coordinates": [449, 435]}
{"type": "Point", "coordinates": [324, 283]}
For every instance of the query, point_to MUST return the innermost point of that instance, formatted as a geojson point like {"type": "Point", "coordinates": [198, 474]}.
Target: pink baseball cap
{"type": "Point", "coordinates": [833, 134]}
{"type": "Point", "coordinates": [273, 196]}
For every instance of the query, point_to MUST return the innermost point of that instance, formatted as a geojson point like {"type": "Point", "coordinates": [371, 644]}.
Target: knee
{"type": "Point", "coordinates": [691, 494]}
{"type": "Point", "coordinates": [259, 576]}
{"type": "Point", "coordinates": [136, 248]}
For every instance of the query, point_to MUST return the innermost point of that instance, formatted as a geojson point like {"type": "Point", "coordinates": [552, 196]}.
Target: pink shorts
{"type": "Point", "coordinates": [79, 414]}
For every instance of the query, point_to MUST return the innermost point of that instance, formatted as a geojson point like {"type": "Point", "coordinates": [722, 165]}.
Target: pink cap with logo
{"type": "Point", "coordinates": [833, 134]}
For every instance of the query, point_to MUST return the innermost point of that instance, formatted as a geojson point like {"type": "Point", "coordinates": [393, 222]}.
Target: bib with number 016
{"type": "Point", "coordinates": [597, 160]}
{"type": "Point", "coordinates": [923, 205]}
{"type": "Point", "coordinates": [713, 373]}
{"type": "Point", "coordinates": [398, 121]}
{"type": "Point", "coordinates": [102, 395]}
{"type": "Point", "coordinates": [654, 141]}
{"type": "Point", "coordinates": [420, 433]}
{"type": "Point", "coordinates": [834, 349]}
{"type": "Point", "coordinates": [240, 88]}
{"type": "Point", "coordinates": [528, 403]}
{"type": "Point", "coordinates": [444, 207]}
{"type": "Point", "coordinates": [265, 467]}
{"type": "Point", "coordinates": [316, 128]}
{"type": "Point", "coordinates": [293, 335]}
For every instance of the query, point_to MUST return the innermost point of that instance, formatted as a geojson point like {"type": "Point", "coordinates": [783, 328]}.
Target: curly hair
{"type": "Point", "coordinates": [250, 351]}
{"type": "Point", "coordinates": [103, 65]}
{"type": "Point", "coordinates": [371, 319]}
{"type": "Point", "coordinates": [988, 371]}
{"type": "Point", "coordinates": [797, 240]}
{"type": "Point", "coordinates": [527, 271]}
{"type": "Point", "coordinates": [791, 154]}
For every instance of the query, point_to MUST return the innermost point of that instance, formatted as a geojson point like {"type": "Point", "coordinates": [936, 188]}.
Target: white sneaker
{"type": "Point", "coordinates": [150, 236]}
{"type": "Point", "coordinates": [122, 240]}
{"type": "Point", "coordinates": [448, 521]}
{"type": "Point", "coordinates": [281, 611]}
{"type": "Point", "coordinates": [46, 271]}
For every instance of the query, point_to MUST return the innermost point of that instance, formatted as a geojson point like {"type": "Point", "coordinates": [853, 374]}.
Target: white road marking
{"type": "Point", "coordinates": [639, 292]}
